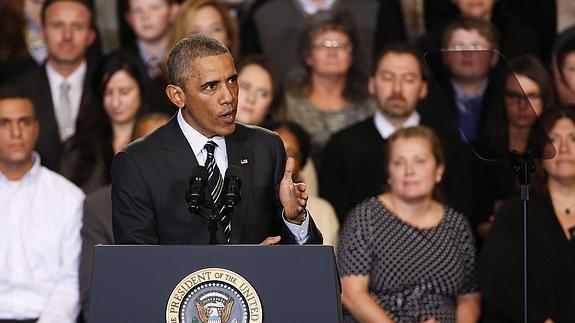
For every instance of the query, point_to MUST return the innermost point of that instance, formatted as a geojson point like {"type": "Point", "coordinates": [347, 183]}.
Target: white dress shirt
{"type": "Point", "coordinates": [386, 129]}
{"type": "Point", "coordinates": [197, 142]}
{"type": "Point", "coordinates": [312, 7]}
{"type": "Point", "coordinates": [76, 81]}
{"type": "Point", "coordinates": [40, 222]}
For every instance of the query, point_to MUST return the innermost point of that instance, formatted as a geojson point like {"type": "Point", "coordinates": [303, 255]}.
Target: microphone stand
{"type": "Point", "coordinates": [523, 166]}
{"type": "Point", "coordinates": [200, 204]}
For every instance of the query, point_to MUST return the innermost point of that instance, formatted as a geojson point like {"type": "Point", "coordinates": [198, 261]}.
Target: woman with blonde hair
{"type": "Point", "coordinates": [208, 17]}
{"type": "Point", "coordinates": [403, 255]}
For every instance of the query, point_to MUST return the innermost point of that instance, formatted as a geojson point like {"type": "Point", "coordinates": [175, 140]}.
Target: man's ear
{"type": "Point", "coordinates": [494, 58]}
{"type": "Point", "coordinates": [176, 95]}
{"type": "Point", "coordinates": [371, 85]}
{"type": "Point", "coordinates": [423, 90]}
{"type": "Point", "coordinates": [129, 18]}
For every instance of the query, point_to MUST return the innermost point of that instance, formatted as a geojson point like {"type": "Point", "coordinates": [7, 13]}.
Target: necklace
{"type": "Point", "coordinates": [567, 208]}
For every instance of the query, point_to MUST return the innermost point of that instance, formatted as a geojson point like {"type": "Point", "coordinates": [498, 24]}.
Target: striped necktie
{"type": "Point", "coordinates": [215, 184]}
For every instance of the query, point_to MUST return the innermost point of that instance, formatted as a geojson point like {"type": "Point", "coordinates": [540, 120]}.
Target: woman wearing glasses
{"type": "Point", "coordinates": [331, 94]}
{"type": "Point", "coordinates": [550, 233]}
{"type": "Point", "coordinates": [528, 93]}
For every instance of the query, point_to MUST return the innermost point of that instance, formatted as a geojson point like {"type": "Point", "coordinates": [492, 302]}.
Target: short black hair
{"type": "Point", "coordinates": [48, 3]}
{"type": "Point", "coordinates": [401, 48]}
{"type": "Point", "coordinates": [10, 92]}
{"type": "Point", "coordinates": [186, 50]}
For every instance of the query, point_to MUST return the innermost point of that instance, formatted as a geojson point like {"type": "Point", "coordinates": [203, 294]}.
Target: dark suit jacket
{"type": "Point", "coordinates": [150, 178]}
{"type": "Point", "coordinates": [36, 84]}
{"type": "Point", "coordinates": [352, 167]}
{"type": "Point", "coordinates": [550, 259]}
{"type": "Point", "coordinates": [96, 229]}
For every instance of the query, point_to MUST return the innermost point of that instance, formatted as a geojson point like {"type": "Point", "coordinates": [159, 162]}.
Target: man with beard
{"type": "Point", "coordinates": [353, 165]}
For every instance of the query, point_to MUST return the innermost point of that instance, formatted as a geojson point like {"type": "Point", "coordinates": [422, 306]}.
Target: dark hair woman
{"type": "Point", "coordinates": [107, 127]}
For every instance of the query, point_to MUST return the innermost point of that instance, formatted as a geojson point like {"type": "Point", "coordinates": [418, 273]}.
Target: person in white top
{"type": "Point", "coordinates": [40, 221]}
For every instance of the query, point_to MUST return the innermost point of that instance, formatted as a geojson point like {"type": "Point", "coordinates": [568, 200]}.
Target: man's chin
{"type": "Point", "coordinates": [227, 130]}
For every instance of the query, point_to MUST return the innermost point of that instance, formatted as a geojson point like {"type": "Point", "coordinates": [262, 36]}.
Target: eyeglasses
{"type": "Point", "coordinates": [514, 97]}
{"type": "Point", "coordinates": [458, 47]}
{"type": "Point", "coordinates": [328, 43]}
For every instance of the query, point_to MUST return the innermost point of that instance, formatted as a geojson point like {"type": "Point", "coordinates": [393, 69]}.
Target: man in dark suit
{"type": "Point", "coordinates": [150, 176]}
{"type": "Point", "coordinates": [353, 168]}
{"type": "Point", "coordinates": [59, 87]}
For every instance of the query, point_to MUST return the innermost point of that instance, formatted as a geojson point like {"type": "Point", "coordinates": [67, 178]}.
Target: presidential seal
{"type": "Point", "coordinates": [214, 295]}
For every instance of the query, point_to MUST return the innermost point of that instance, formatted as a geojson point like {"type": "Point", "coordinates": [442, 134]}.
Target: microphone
{"type": "Point", "coordinates": [232, 184]}
{"type": "Point", "coordinates": [195, 195]}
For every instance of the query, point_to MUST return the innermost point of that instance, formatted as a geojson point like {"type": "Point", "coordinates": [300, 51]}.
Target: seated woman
{"type": "Point", "coordinates": [550, 225]}
{"type": "Point", "coordinates": [528, 93]}
{"type": "Point", "coordinates": [331, 94]}
{"type": "Point", "coordinates": [207, 17]}
{"type": "Point", "coordinates": [261, 96]}
{"type": "Point", "coordinates": [107, 127]}
{"type": "Point", "coordinates": [404, 256]}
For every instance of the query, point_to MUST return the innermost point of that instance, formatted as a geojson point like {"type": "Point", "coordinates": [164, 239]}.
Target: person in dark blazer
{"type": "Point", "coordinates": [353, 165]}
{"type": "Point", "coordinates": [68, 31]}
{"type": "Point", "coordinates": [97, 218]}
{"type": "Point", "coordinates": [151, 175]}
{"type": "Point", "coordinates": [353, 168]}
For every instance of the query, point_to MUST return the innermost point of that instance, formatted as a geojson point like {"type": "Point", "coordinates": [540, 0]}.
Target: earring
{"type": "Point", "coordinates": [438, 179]}
{"type": "Point", "coordinates": [389, 181]}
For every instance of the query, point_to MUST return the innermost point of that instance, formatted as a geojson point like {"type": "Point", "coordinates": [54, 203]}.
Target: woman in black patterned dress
{"type": "Point", "coordinates": [404, 256]}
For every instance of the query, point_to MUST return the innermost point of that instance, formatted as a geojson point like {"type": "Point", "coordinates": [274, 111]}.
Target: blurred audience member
{"type": "Point", "coordinates": [408, 20]}
{"type": "Point", "coordinates": [97, 220]}
{"type": "Point", "coordinates": [515, 38]}
{"type": "Point", "coordinates": [528, 93]}
{"type": "Point", "coordinates": [272, 28]}
{"type": "Point", "coordinates": [21, 44]}
{"type": "Point", "coordinates": [550, 233]}
{"type": "Point", "coordinates": [41, 219]}
{"type": "Point", "coordinates": [107, 127]}
{"type": "Point", "coordinates": [332, 93]}
{"type": "Point", "coordinates": [352, 166]}
{"type": "Point", "coordinates": [261, 97]}
{"type": "Point", "coordinates": [403, 255]}
{"type": "Point", "coordinates": [564, 70]}
{"type": "Point", "coordinates": [60, 89]}
{"type": "Point", "coordinates": [298, 144]}
{"type": "Point", "coordinates": [207, 17]}
{"type": "Point", "coordinates": [151, 21]}
{"type": "Point", "coordinates": [469, 56]}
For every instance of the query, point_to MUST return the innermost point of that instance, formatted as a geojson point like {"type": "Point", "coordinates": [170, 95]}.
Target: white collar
{"type": "Point", "coordinates": [386, 129]}
{"type": "Point", "coordinates": [74, 79]}
{"type": "Point", "coordinates": [196, 140]}
{"type": "Point", "coordinates": [311, 8]}
{"type": "Point", "coordinates": [31, 173]}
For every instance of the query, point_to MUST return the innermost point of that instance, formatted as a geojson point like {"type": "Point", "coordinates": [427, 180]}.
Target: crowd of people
{"type": "Point", "coordinates": [401, 118]}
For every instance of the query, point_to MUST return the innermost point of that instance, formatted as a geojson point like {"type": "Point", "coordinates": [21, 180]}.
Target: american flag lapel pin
{"type": "Point", "coordinates": [243, 161]}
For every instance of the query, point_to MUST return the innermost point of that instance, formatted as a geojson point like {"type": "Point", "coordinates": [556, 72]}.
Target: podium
{"type": "Point", "coordinates": [200, 284]}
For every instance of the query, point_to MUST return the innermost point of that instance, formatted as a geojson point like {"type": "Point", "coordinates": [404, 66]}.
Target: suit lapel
{"type": "Point", "coordinates": [240, 155]}
{"type": "Point", "coordinates": [179, 157]}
